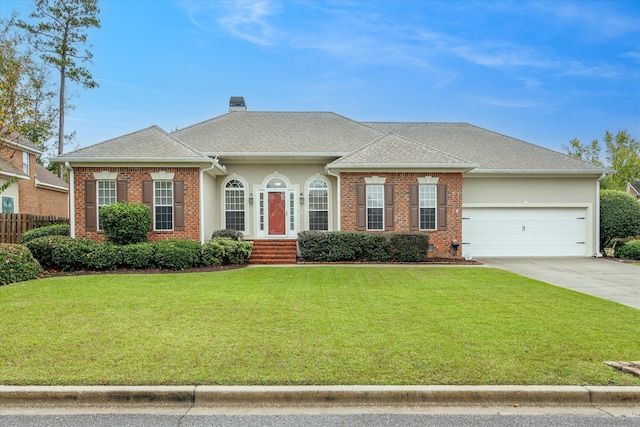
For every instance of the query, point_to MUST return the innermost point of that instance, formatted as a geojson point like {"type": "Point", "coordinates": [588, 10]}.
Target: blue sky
{"type": "Point", "coordinates": [542, 71]}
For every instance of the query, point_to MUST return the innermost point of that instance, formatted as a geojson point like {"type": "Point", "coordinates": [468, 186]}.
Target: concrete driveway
{"type": "Point", "coordinates": [599, 277]}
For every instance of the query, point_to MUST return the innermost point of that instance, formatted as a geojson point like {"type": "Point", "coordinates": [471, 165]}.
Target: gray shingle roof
{"type": "Point", "coordinates": [253, 132]}
{"type": "Point", "coordinates": [7, 168]}
{"type": "Point", "coordinates": [44, 176]}
{"type": "Point", "coordinates": [398, 152]}
{"type": "Point", "coordinates": [150, 144]}
{"type": "Point", "coordinates": [293, 135]}
{"type": "Point", "coordinates": [491, 150]}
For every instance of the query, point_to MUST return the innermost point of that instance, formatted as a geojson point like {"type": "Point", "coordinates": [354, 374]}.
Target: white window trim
{"type": "Point", "coordinates": [156, 205]}
{"type": "Point", "coordinates": [435, 205]}
{"type": "Point", "coordinates": [26, 163]}
{"type": "Point", "coordinates": [307, 225]}
{"type": "Point", "coordinates": [98, 205]}
{"type": "Point", "coordinates": [247, 208]}
{"type": "Point", "coordinates": [380, 185]}
{"type": "Point", "coordinates": [428, 180]}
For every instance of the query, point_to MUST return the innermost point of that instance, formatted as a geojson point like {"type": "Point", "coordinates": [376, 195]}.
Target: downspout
{"type": "Point", "coordinates": [202, 171]}
{"type": "Point", "coordinates": [328, 172]}
{"type": "Point", "coordinates": [597, 215]}
{"type": "Point", "coordinates": [72, 204]}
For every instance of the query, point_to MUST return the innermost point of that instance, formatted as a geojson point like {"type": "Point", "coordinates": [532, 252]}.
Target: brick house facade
{"type": "Point", "coordinates": [400, 184]}
{"type": "Point", "coordinates": [492, 194]}
{"type": "Point", "coordinates": [39, 192]}
{"type": "Point", "coordinates": [130, 188]}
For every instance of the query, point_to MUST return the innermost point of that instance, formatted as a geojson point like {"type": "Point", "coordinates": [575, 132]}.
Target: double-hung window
{"type": "Point", "coordinates": [427, 207]}
{"type": "Point", "coordinates": [106, 196]}
{"type": "Point", "coordinates": [234, 209]}
{"type": "Point", "coordinates": [375, 207]}
{"type": "Point", "coordinates": [318, 205]}
{"type": "Point", "coordinates": [163, 205]}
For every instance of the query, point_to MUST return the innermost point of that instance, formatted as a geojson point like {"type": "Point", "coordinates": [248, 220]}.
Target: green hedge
{"type": "Point", "coordinates": [629, 250]}
{"type": "Point", "coordinates": [619, 216]}
{"type": "Point", "coordinates": [17, 264]}
{"type": "Point", "coordinates": [138, 255]}
{"type": "Point", "coordinates": [342, 246]}
{"type": "Point", "coordinates": [174, 254]}
{"type": "Point", "coordinates": [49, 230]}
{"type": "Point", "coordinates": [62, 252]}
{"type": "Point", "coordinates": [224, 251]}
{"type": "Point", "coordinates": [226, 233]}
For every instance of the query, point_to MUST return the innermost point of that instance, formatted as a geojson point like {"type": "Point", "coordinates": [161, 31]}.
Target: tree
{"type": "Point", "coordinates": [622, 155]}
{"type": "Point", "coordinates": [58, 36]}
{"type": "Point", "coordinates": [26, 106]}
{"type": "Point", "coordinates": [588, 153]}
{"type": "Point", "coordinates": [619, 216]}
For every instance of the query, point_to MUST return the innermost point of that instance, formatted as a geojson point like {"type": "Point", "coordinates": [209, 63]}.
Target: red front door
{"type": "Point", "coordinates": [277, 217]}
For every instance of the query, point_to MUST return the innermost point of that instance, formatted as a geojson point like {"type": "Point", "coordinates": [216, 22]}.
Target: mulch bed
{"type": "Point", "coordinates": [430, 261]}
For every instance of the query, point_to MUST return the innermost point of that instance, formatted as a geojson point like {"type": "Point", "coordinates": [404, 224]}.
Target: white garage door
{"type": "Point", "coordinates": [488, 232]}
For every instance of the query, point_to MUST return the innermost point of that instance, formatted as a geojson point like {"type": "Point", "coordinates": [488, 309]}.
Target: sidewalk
{"type": "Point", "coordinates": [318, 396]}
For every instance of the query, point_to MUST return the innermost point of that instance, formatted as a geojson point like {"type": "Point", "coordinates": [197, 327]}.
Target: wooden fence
{"type": "Point", "coordinates": [13, 225]}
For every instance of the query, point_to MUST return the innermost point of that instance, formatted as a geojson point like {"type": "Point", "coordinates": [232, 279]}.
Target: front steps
{"type": "Point", "coordinates": [273, 252]}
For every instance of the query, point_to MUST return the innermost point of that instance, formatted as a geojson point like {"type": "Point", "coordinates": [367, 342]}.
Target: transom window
{"type": "Point", "coordinates": [375, 207]}
{"type": "Point", "coordinates": [234, 208]}
{"type": "Point", "coordinates": [427, 207]}
{"type": "Point", "coordinates": [106, 196]}
{"type": "Point", "coordinates": [163, 205]}
{"type": "Point", "coordinates": [318, 205]}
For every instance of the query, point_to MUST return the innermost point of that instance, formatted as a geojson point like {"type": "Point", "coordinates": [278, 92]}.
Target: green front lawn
{"type": "Point", "coordinates": [312, 325]}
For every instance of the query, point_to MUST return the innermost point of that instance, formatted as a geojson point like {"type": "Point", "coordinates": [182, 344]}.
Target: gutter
{"type": "Point", "coordinates": [597, 215]}
{"type": "Point", "coordinates": [72, 204]}
{"type": "Point", "coordinates": [339, 195]}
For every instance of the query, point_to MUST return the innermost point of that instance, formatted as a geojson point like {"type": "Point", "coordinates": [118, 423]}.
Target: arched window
{"type": "Point", "coordinates": [234, 205]}
{"type": "Point", "coordinates": [318, 205]}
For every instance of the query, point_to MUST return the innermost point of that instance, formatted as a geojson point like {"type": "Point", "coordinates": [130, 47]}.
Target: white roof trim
{"type": "Point", "coordinates": [51, 186]}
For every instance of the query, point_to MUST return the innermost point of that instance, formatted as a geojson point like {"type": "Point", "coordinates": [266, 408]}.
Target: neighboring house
{"type": "Point", "coordinates": [633, 188]}
{"type": "Point", "coordinates": [35, 190]}
{"type": "Point", "coordinates": [274, 174]}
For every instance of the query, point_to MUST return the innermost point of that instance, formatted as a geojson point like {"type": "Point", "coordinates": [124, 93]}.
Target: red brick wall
{"type": "Point", "coordinates": [134, 177]}
{"type": "Point", "coordinates": [441, 240]}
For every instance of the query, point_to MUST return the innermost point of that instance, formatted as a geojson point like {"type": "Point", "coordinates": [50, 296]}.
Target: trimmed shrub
{"type": "Point", "coordinates": [104, 256]}
{"type": "Point", "coordinates": [345, 246]}
{"type": "Point", "coordinates": [125, 223]}
{"type": "Point", "coordinates": [409, 247]}
{"type": "Point", "coordinates": [629, 250]}
{"type": "Point", "coordinates": [62, 252]}
{"type": "Point", "coordinates": [224, 251]}
{"type": "Point", "coordinates": [49, 230]}
{"type": "Point", "coordinates": [314, 246]}
{"type": "Point", "coordinates": [138, 255]}
{"type": "Point", "coordinates": [226, 233]}
{"type": "Point", "coordinates": [174, 254]}
{"type": "Point", "coordinates": [375, 247]}
{"type": "Point", "coordinates": [619, 216]}
{"type": "Point", "coordinates": [17, 264]}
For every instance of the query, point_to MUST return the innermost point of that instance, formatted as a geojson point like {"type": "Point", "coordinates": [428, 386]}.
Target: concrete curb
{"type": "Point", "coordinates": [307, 396]}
